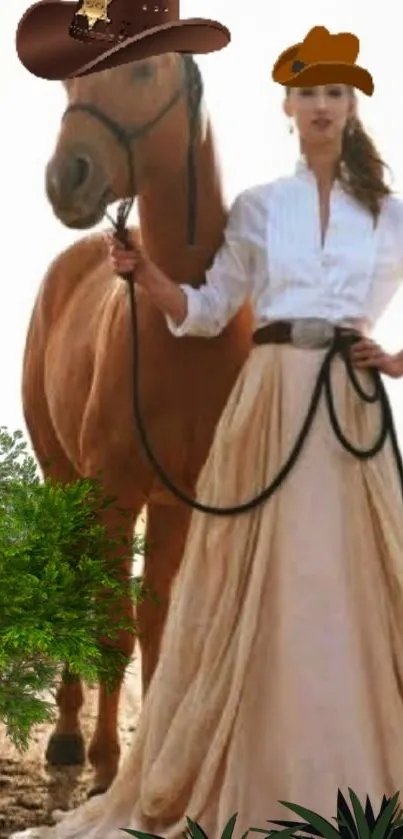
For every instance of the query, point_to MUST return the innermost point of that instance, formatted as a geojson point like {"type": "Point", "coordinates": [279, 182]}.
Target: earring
{"type": "Point", "coordinates": [350, 128]}
{"type": "Point", "coordinates": [290, 126]}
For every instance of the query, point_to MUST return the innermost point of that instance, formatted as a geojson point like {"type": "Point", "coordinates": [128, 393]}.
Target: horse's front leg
{"type": "Point", "coordinates": [66, 744]}
{"type": "Point", "coordinates": [104, 749]}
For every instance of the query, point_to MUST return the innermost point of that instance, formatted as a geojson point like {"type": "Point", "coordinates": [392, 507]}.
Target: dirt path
{"type": "Point", "coordinates": [30, 791]}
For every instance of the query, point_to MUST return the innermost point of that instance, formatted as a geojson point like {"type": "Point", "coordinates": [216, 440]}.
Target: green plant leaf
{"type": "Point", "coordinates": [396, 822]}
{"type": "Point", "coordinates": [229, 828]}
{"type": "Point", "coordinates": [345, 829]}
{"type": "Point", "coordinates": [324, 827]}
{"type": "Point", "coordinates": [370, 815]}
{"type": "Point", "coordinates": [383, 823]}
{"type": "Point", "coordinates": [195, 830]}
{"type": "Point", "coordinates": [362, 824]}
{"type": "Point", "coordinates": [345, 821]}
{"type": "Point", "coordinates": [285, 834]}
{"type": "Point", "coordinates": [140, 835]}
{"type": "Point", "coordinates": [301, 827]}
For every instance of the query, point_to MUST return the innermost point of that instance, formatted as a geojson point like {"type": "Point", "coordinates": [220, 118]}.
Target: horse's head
{"type": "Point", "coordinates": [122, 128]}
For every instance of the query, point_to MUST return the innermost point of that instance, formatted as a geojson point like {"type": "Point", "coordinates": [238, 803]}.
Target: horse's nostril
{"type": "Point", "coordinates": [80, 171]}
{"type": "Point", "coordinates": [65, 178]}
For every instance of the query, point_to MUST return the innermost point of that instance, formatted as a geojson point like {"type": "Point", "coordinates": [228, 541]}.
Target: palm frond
{"type": "Point", "coordinates": [196, 832]}
{"type": "Point", "coordinates": [299, 827]}
{"type": "Point", "coordinates": [369, 813]}
{"type": "Point", "coordinates": [385, 821]}
{"type": "Point", "coordinates": [397, 820]}
{"type": "Point", "coordinates": [325, 828]}
{"type": "Point", "coordinates": [228, 831]}
{"type": "Point", "coordinates": [362, 826]}
{"type": "Point", "coordinates": [139, 834]}
{"type": "Point", "coordinates": [345, 821]}
{"type": "Point", "coordinates": [269, 833]}
{"type": "Point", "coordinates": [353, 822]}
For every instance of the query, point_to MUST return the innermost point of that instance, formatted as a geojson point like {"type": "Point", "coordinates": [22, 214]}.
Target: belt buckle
{"type": "Point", "coordinates": [312, 333]}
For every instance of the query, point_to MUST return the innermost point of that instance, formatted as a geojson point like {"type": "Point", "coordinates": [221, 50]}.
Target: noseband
{"type": "Point", "coordinates": [125, 136]}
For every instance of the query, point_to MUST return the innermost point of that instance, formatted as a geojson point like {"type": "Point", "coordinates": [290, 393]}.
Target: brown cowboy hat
{"type": "Point", "coordinates": [322, 58]}
{"type": "Point", "coordinates": [57, 39]}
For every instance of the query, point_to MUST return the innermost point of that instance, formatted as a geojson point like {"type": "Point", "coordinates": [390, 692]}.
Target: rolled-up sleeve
{"type": "Point", "coordinates": [228, 282]}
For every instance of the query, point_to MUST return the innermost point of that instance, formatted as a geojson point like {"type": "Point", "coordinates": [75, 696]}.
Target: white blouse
{"type": "Point", "coordinates": [273, 255]}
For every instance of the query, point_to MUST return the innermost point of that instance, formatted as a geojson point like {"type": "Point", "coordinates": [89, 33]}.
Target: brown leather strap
{"type": "Point", "coordinates": [279, 332]}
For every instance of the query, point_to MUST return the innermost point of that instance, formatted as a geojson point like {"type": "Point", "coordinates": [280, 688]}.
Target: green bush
{"type": "Point", "coordinates": [57, 588]}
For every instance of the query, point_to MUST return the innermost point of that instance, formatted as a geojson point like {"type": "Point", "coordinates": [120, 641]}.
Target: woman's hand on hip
{"type": "Point", "coordinates": [367, 353]}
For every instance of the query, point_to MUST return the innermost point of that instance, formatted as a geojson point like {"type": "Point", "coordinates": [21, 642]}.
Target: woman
{"type": "Point", "coordinates": [281, 670]}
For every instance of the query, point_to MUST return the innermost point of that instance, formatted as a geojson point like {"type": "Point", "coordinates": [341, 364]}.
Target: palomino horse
{"type": "Point", "coordinates": [77, 380]}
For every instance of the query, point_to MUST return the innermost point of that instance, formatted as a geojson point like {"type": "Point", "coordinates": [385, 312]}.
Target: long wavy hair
{"type": "Point", "coordinates": [361, 170]}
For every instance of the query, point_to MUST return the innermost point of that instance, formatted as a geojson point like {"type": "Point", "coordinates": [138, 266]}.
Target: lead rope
{"type": "Point", "coordinates": [339, 347]}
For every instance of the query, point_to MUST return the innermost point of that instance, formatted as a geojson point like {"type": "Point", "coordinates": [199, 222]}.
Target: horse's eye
{"type": "Point", "coordinates": [142, 71]}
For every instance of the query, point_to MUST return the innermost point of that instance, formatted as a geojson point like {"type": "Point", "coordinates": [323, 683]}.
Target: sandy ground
{"type": "Point", "coordinates": [29, 790]}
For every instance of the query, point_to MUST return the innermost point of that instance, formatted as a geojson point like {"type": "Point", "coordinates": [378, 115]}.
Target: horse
{"type": "Point", "coordinates": [128, 130]}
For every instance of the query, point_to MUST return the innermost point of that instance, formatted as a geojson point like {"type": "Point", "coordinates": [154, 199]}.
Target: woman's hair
{"type": "Point", "coordinates": [363, 172]}
{"type": "Point", "coordinates": [361, 169]}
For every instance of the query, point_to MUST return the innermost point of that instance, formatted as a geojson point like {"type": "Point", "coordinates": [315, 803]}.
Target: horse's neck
{"type": "Point", "coordinates": [163, 211]}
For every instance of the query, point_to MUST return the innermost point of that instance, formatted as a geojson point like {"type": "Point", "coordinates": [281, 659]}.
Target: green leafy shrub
{"type": "Point", "coordinates": [351, 823]}
{"type": "Point", "coordinates": [57, 588]}
{"type": "Point", "coordinates": [355, 822]}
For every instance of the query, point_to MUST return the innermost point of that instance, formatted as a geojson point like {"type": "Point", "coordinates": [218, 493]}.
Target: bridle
{"type": "Point", "coordinates": [125, 136]}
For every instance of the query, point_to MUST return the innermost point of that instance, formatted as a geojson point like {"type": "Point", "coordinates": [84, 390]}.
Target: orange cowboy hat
{"type": "Point", "coordinates": [58, 39]}
{"type": "Point", "coordinates": [322, 58]}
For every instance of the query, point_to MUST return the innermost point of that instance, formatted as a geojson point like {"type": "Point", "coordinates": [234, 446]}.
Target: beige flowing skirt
{"type": "Point", "coordinates": [281, 670]}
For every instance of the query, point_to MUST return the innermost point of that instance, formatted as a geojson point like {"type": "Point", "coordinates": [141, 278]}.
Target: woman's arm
{"type": "Point", "coordinates": [204, 311]}
{"type": "Point", "coordinates": [228, 282]}
{"type": "Point", "coordinates": [166, 295]}
{"type": "Point", "coordinates": [367, 353]}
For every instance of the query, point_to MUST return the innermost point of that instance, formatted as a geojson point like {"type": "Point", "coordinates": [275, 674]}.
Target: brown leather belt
{"type": "Point", "coordinates": [306, 333]}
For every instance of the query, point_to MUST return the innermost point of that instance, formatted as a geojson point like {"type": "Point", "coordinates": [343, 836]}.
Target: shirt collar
{"type": "Point", "coordinates": [302, 170]}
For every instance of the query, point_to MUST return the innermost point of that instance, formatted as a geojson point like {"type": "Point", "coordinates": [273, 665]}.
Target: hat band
{"type": "Point", "coordinates": [91, 21]}
{"type": "Point", "coordinates": [297, 66]}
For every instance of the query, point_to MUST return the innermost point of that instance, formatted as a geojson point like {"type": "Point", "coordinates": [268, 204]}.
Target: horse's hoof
{"type": "Point", "coordinates": [97, 791]}
{"type": "Point", "coordinates": [65, 750]}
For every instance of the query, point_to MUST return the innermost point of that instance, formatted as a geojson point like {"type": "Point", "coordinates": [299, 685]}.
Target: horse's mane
{"type": "Point", "coordinates": [194, 79]}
